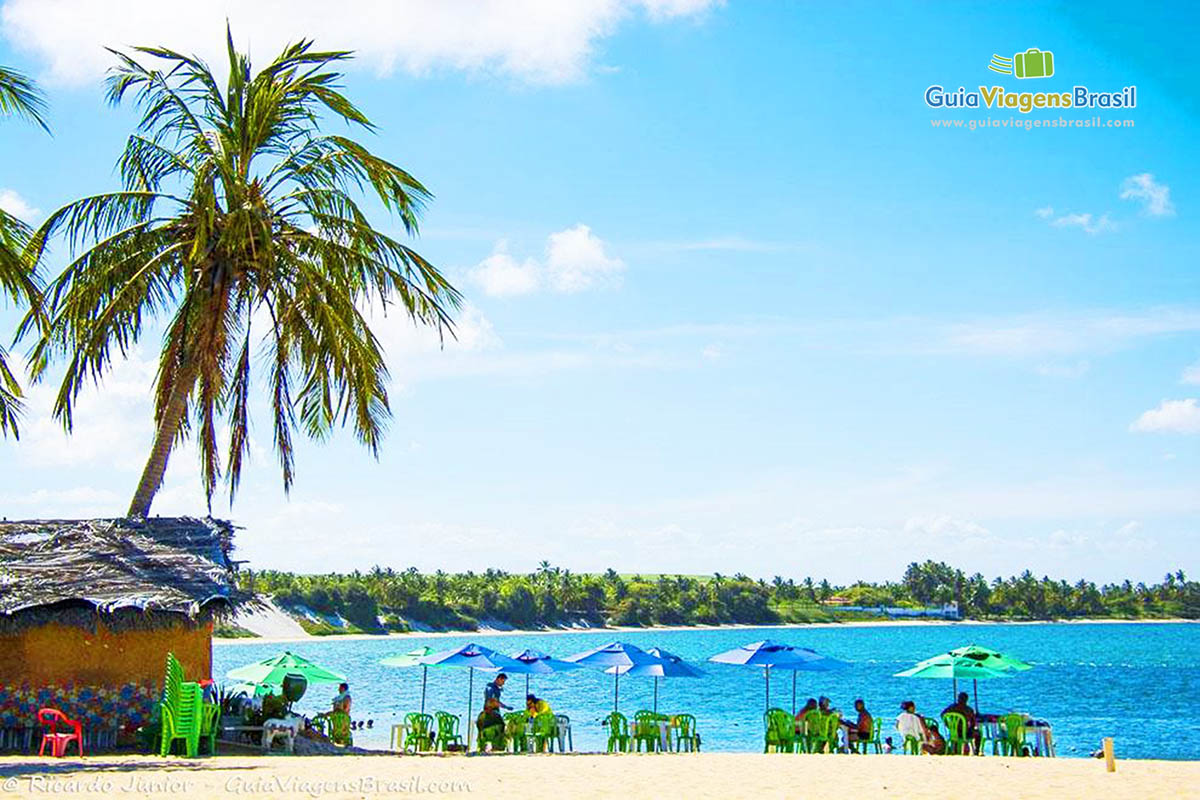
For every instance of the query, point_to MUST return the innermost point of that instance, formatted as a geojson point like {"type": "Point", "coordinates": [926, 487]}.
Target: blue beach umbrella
{"type": "Point", "coordinates": [768, 654]}
{"type": "Point", "coordinates": [472, 656]}
{"type": "Point", "coordinates": [535, 662]}
{"type": "Point", "coordinates": [672, 666]}
{"type": "Point", "coordinates": [614, 654]}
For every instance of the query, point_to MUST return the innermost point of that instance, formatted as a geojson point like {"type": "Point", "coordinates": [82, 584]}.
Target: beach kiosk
{"type": "Point", "coordinates": [89, 610]}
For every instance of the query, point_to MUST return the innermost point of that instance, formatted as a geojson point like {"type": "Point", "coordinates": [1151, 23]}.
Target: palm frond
{"type": "Point", "coordinates": [21, 97]}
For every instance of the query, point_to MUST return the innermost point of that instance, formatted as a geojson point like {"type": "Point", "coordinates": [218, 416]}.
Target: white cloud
{"type": "Point", "coordinates": [1191, 375]}
{"type": "Point", "coordinates": [712, 352]}
{"type": "Point", "coordinates": [1171, 416]}
{"type": "Point", "coordinates": [501, 275]}
{"type": "Point", "coordinates": [575, 260]}
{"type": "Point", "coordinates": [540, 41]}
{"type": "Point", "coordinates": [1046, 212]}
{"type": "Point", "coordinates": [1085, 222]}
{"type": "Point", "coordinates": [730, 244]}
{"type": "Point", "coordinates": [1075, 370]}
{"type": "Point", "coordinates": [1155, 197]}
{"type": "Point", "coordinates": [16, 205]}
{"type": "Point", "coordinates": [944, 525]}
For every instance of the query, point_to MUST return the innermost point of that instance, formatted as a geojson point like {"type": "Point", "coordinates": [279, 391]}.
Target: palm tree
{"type": "Point", "coordinates": [237, 212]}
{"type": "Point", "coordinates": [19, 97]}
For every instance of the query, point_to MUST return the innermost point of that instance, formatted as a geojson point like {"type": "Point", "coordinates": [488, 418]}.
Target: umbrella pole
{"type": "Point", "coordinates": [527, 684]}
{"type": "Point", "coordinates": [655, 694]}
{"type": "Point", "coordinates": [976, 682]}
{"type": "Point", "coordinates": [616, 689]}
{"type": "Point", "coordinates": [424, 677]}
{"type": "Point", "coordinates": [955, 690]}
{"type": "Point", "coordinates": [470, 697]}
{"type": "Point", "coordinates": [793, 693]}
{"type": "Point", "coordinates": [767, 673]}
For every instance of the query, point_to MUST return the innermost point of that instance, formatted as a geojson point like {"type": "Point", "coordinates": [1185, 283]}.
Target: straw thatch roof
{"type": "Point", "coordinates": [177, 565]}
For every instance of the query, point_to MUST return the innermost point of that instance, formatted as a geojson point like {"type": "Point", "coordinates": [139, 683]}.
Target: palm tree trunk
{"type": "Point", "coordinates": [164, 440]}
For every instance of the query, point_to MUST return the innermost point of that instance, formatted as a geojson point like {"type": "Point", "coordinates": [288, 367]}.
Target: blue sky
{"type": "Point", "coordinates": [733, 302]}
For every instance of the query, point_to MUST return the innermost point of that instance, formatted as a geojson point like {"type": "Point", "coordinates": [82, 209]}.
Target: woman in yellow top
{"type": "Point", "coordinates": [535, 705]}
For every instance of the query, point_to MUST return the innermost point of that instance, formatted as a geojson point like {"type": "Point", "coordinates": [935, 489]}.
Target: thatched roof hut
{"type": "Point", "coordinates": [101, 601]}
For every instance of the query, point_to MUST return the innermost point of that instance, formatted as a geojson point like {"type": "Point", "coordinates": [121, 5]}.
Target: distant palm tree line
{"type": "Point", "coordinates": [386, 599]}
{"type": "Point", "coordinates": [238, 227]}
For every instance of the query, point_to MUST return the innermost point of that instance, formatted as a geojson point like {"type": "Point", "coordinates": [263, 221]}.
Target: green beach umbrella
{"type": "Point", "coordinates": [412, 659]}
{"type": "Point", "coordinates": [271, 671]}
{"type": "Point", "coordinates": [971, 662]}
{"type": "Point", "coordinates": [990, 658]}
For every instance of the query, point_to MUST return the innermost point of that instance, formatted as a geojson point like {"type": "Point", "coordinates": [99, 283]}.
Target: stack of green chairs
{"type": "Point", "coordinates": [686, 737]}
{"type": "Point", "coordinates": [418, 733]}
{"type": "Point", "coordinates": [912, 745]}
{"type": "Point", "coordinates": [780, 731]}
{"type": "Point", "coordinates": [181, 711]}
{"type": "Point", "coordinates": [514, 731]}
{"type": "Point", "coordinates": [646, 733]}
{"type": "Point", "coordinates": [545, 732]}
{"type": "Point", "coordinates": [618, 732]}
{"type": "Point", "coordinates": [447, 730]}
{"type": "Point", "coordinates": [876, 740]}
{"type": "Point", "coordinates": [958, 743]}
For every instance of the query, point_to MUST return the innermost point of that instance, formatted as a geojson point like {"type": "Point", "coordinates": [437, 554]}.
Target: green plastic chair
{"type": "Point", "coordinates": [447, 730]}
{"type": "Point", "coordinates": [780, 731]}
{"type": "Point", "coordinates": [210, 724]}
{"type": "Point", "coordinates": [812, 732]}
{"type": "Point", "coordinates": [545, 732]}
{"type": "Point", "coordinates": [831, 726]}
{"type": "Point", "coordinates": [686, 737]}
{"type": "Point", "coordinates": [514, 731]}
{"type": "Point", "coordinates": [618, 732]}
{"type": "Point", "coordinates": [336, 725]}
{"type": "Point", "coordinates": [959, 744]}
{"type": "Point", "coordinates": [181, 711]}
{"type": "Point", "coordinates": [646, 733]}
{"type": "Point", "coordinates": [495, 735]}
{"type": "Point", "coordinates": [912, 746]}
{"type": "Point", "coordinates": [1012, 728]}
{"type": "Point", "coordinates": [864, 745]}
{"type": "Point", "coordinates": [418, 733]}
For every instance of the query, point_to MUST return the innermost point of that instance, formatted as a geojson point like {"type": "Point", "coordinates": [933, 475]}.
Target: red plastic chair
{"type": "Point", "coordinates": [59, 741]}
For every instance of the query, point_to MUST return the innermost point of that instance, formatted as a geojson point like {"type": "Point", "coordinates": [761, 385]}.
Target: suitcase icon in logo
{"type": "Point", "coordinates": [1033, 63]}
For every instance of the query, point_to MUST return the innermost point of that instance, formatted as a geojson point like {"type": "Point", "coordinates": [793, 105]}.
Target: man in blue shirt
{"type": "Point", "coordinates": [493, 690]}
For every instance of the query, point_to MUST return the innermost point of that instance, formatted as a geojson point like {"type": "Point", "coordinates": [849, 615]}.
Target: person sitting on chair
{"type": "Point", "coordinates": [961, 706]}
{"type": "Point", "coordinates": [910, 725]}
{"type": "Point", "coordinates": [535, 705]}
{"type": "Point", "coordinates": [863, 729]}
{"type": "Point", "coordinates": [809, 706]}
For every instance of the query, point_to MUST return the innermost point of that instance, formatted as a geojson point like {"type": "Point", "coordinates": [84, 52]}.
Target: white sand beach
{"type": "Point", "coordinates": [705, 775]}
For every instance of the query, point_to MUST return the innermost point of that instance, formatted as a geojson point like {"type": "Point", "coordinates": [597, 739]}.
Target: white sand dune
{"type": "Point", "coordinates": [269, 621]}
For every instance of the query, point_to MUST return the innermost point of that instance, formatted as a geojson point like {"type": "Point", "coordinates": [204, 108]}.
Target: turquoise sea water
{"type": "Point", "coordinates": [1138, 683]}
